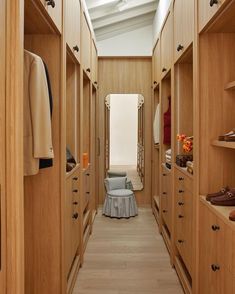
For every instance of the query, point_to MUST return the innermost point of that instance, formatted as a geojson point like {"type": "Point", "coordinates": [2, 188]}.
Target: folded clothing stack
{"type": "Point", "coordinates": [168, 158]}
{"type": "Point", "coordinates": [189, 165]}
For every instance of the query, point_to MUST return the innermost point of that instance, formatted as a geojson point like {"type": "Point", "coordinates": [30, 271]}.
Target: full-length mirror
{"type": "Point", "coordinates": [124, 137]}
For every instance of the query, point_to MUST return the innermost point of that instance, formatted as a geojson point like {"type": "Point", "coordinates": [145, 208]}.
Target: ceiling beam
{"type": "Point", "coordinates": [94, 4]}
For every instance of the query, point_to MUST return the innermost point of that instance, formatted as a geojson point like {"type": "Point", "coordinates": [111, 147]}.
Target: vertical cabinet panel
{"type": "Point", "coordinates": [94, 64]}
{"type": "Point", "coordinates": [73, 26]}
{"type": "Point", "coordinates": [183, 25]}
{"type": "Point", "coordinates": [54, 9]}
{"type": "Point", "coordinates": [86, 46]}
{"type": "Point", "coordinates": [156, 64]}
{"type": "Point", "coordinates": [166, 45]}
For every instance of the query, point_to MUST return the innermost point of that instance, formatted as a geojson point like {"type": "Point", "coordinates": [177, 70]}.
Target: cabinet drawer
{"type": "Point", "coordinates": [73, 27]}
{"type": "Point", "coordinates": [166, 45]}
{"type": "Point", "coordinates": [206, 10]}
{"type": "Point", "coordinates": [183, 182]}
{"type": "Point", "coordinates": [183, 26]}
{"type": "Point", "coordinates": [54, 9]}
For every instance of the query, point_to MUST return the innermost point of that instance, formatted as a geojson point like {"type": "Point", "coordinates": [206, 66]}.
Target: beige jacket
{"type": "Point", "coordinates": [37, 120]}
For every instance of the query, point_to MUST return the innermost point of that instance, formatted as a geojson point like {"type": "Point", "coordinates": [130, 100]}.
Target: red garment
{"type": "Point", "coordinates": [167, 125]}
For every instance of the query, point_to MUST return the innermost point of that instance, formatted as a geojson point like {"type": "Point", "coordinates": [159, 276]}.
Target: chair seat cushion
{"type": "Point", "coordinates": [120, 193]}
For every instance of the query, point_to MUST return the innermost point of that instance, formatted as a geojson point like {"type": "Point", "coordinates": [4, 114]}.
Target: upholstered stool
{"type": "Point", "coordinates": [119, 202]}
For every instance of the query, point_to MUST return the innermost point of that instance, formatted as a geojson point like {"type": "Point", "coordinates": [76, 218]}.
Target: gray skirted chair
{"type": "Point", "coordinates": [119, 202]}
{"type": "Point", "coordinates": [117, 174]}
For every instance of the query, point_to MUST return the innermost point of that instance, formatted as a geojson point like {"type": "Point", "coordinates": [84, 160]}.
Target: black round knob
{"type": "Point", "coordinates": [164, 211]}
{"type": "Point", "coordinates": [164, 175]}
{"type": "Point", "coordinates": [180, 203]}
{"type": "Point", "coordinates": [215, 267]}
{"type": "Point", "coordinates": [88, 70]}
{"type": "Point", "coordinates": [164, 193]}
{"type": "Point", "coordinates": [75, 203]}
{"type": "Point", "coordinates": [76, 48]}
{"type": "Point", "coordinates": [95, 83]}
{"type": "Point", "coordinates": [75, 215]}
{"type": "Point", "coordinates": [88, 175]}
{"type": "Point", "coordinates": [180, 216]}
{"type": "Point", "coordinates": [51, 3]}
{"type": "Point", "coordinates": [181, 191]}
{"type": "Point", "coordinates": [181, 178]}
{"type": "Point", "coordinates": [215, 228]}
{"type": "Point", "coordinates": [164, 69]}
{"type": "Point", "coordinates": [87, 192]}
{"type": "Point", "coordinates": [75, 190]}
{"type": "Point", "coordinates": [212, 2]}
{"type": "Point", "coordinates": [180, 241]}
{"type": "Point", "coordinates": [180, 47]}
{"type": "Point", "coordinates": [75, 178]}
{"type": "Point", "coordinates": [155, 82]}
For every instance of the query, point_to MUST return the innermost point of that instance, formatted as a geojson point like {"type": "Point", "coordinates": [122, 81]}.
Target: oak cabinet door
{"type": "Point", "coordinates": [156, 64]}
{"type": "Point", "coordinates": [167, 45]}
{"type": "Point", "coordinates": [86, 46]}
{"type": "Point", "coordinates": [54, 9]}
{"type": "Point", "coordinates": [94, 66]}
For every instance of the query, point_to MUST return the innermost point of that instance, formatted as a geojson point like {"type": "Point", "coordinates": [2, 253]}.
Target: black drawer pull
{"type": "Point", "coordinates": [164, 175]}
{"type": "Point", "coordinates": [180, 47]}
{"type": "Point", "coordinates": [215, 228]}
{"type": "Point", "coordinates": [180, 203]}
{"type": "Point", "coordinates": [51, 3]}
{"type": "Point", "coordinates": [180, 241]}
{"type": "Point", "coordinates": [75, 203]}
{"type": "Point", "coordinates": [95, 83]}
{"type": "Point", "coordinates": [181, 178]}
{"type": "Point", "coordinates": [87, 175]}
{"type": "Point", "coordinates": [212, 2]}
{"type": "Point", "coordinates": [75, 191]}
{"type": "Point", "coordinates": [180, 216]}
{"type": "Point", "coordinates": [181, 191]}
{"type": "Point", "coordinates": [75, 178]}
{"type": "Point", "coordinates": [155, 82]}
{"type": "Point", "coordinates": [87, 192]}
{"type": "Point", "coordinates": [164, 193]}
{"type": "Point", "coordinates": [164, 69]}
{"type": "Point", "coordinates": [215, 267]}
{"type": "Point", "coordinates": [88, 70]}
{"type": "Point", "coordinates": [164, 211]}
{"type": "Point", "coordinates": [75, 216]}
{"type": "Point", "coordinates": [76, 48]}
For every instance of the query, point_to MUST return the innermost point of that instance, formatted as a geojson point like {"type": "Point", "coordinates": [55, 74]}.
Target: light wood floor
{"type": "Point", "coordinates": [127, 257]}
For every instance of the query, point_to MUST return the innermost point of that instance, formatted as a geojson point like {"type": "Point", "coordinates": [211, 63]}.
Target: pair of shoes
{"type": "Point", "coordinates": [229, 137]}
{"type": "Point", "coordinates": [223, 191]}
{"type": "Point", "coordinates": [228, 199]}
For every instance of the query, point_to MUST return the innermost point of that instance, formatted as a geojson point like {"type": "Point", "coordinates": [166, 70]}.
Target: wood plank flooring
{"type": "Point", "coordinates": [127, 257]}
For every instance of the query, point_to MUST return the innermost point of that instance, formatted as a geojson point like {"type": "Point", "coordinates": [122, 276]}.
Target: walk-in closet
{"type": "Point", "coordinates": [117, 138]}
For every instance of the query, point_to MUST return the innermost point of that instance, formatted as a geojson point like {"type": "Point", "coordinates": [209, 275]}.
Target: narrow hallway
{"type": "Point", "coordinates": [127, 256]}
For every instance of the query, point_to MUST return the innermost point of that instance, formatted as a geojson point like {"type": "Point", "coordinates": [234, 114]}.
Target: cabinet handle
{"type": "Point", "coordinates": [180, 241]}
{"type": "Point", "coordinates": [164, 175]}
{"type": "Point", "coordinates": [76, 48]}
{"type": "Point", "coordinates": [212, 2]}
{"type": "Point", "coordinates": [75, 203]}
{"type": "Point", "coordinates": [88, 70]}
{"type": "Point", "coordinates": [75, 190]}
{"type": "Point", "coordinates": [180, 47]}
{"type": "Point", "coordinates": [164, 69]}
{"type": "Point", "coordinates": [75, 216]}
{"type": "Point", "coordinates": [181, 178]}
{"type": "Point", "coordinates": [51, 3]}
{"type": "Point", "coordinates": [164, 193]}
{"type": "Point", "coordinates": [164, 211]}
{"type": "Point", "coordinates": [75, 178]}
{"type": "Point", "coordinates": [155, 82]}
{"type": "Point", "coordinates": [180, 203]}
{"type": "Point", "coordinates": [87, 175]}
{"type": "Point", "coordinates": [88, 193]}
{"type": "Point", "coordinates": [181, 191]}
{"type": "Point", "coordinates": [180, 216]}
{"type": "Point", "coordinates": [215, 228]}
{"type": "Point", "coordinates": [95, 83]}
{"type": "Point", "coordinates": [215, 267]}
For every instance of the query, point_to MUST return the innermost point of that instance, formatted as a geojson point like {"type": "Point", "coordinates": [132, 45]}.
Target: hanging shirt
{"type": "Point", "coordinates": [37, 117]}
{"type": "Point", "coordinates": [156, 125]}
{"type": "Point", "coordinates": [167, 125]}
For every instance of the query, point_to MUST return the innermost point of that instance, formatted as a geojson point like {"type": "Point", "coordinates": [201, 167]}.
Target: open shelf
{"type": "Point", "coordinates": [223, 144]}
{"type": "Point", "coordinates": [156, 201]}
{"type": "Point", "coordinates": [230, 86]}
{"type": "Point", "coordinates": [86, 218]}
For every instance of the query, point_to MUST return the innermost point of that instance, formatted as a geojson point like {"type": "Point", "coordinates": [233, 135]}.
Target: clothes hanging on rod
{"type": "Point", "coordinates": [156, 125]}
{"type": "Point", "coordinates": [167, 125]}
{"type": "Point", "coordinates": [37, 114]}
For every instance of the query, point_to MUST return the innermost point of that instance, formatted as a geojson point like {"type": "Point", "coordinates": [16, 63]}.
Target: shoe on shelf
{"type": "Point", "coordinates": [224, 136]}
{"type": "Point", "coordinates": [230, 138]}
{"type": "Point", "coordinates": [232, 215]}
{"type": "Point", "coordinates": [227, 199]}
{"type": "Point", "coordinates": [217, 194]}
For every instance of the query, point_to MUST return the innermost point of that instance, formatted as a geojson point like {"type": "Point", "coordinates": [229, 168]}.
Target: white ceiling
{"type": "Point", "coordinates": [114, 17]}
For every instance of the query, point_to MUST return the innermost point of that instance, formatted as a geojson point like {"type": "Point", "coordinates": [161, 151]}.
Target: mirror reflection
{"type": "Point", "coordinates": [124, 142]}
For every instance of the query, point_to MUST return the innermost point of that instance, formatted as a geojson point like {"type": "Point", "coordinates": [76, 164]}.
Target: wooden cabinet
{"type": "Point", "coordinates": [94, 66]}
{"type": "Point", "coordinates": [86, 46]}
{"type": "Point", "coordinates": [72, 219]}
{"type": "Point", "coordinates": [206, 10]}
{"type": "Point", "coordinates": [183, 26]}
{"type": "Point", "coordinates": [54, 9]}
{"type": "Point", "coordinates": [156, 64]}
{"type": "Point", "coordinates": [216, 258]}
{"type": "Point", "coordinates": [183, 217]}
{"type": "Point", "coordinates": [73, 26]}
{"type": "Point", "coordinates": [166, 45]}
{"type": "Point", "coordinates": [166, 198]}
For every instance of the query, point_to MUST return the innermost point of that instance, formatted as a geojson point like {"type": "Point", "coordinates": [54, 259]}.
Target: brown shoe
{"type": "Point", "coordinates": [223, 191]}
{"type": "Point", "coordinates": [224, 136]}
{"type": "Point", "coordinates": [232, 215]}
{"type": "Point", "coordinates": [227, 199]}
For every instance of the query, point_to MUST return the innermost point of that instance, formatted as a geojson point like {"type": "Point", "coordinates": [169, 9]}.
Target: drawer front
{"type": "Point", "coordinates": [54, 9]}
{"type": "Point", "coordinates": [183, 182]}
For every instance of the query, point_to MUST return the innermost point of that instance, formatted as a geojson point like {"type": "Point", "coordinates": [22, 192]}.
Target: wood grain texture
{"type": "Point", "coordinates": [125, 257]}
{"type": "Point", "coordinates": [126, 76]}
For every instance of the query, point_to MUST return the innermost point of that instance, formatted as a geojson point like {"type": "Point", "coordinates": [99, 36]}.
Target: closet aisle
{"type": "Point", "coordinates": [127, 257]}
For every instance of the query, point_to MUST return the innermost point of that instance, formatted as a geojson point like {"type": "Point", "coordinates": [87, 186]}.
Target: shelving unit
{"type": "Point", "coordinates": [223, 144]}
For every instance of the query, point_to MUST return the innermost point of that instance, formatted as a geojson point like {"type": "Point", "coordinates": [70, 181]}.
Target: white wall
{"type": "Point", "coordinates": [135, 43]}
{"type": "Point", "coordinates": [123, 129]}
{"type": "Point", "coordinates": [162, 9]}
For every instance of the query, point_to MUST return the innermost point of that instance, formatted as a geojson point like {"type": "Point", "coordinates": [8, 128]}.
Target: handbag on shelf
{"type": "Point", "coordinates": [181, 160]}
